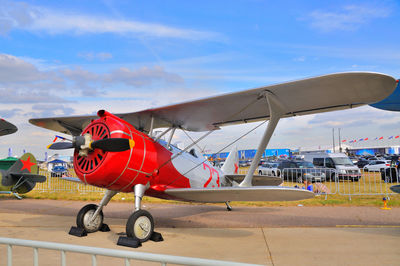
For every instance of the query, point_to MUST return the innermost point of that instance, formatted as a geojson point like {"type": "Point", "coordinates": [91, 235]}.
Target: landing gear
{"type": "Point", "coordinates": [228, 206]}
{"type": "Point", "coordinates": [85, 220]}
{"type": "Point", "coordinates": [140, 226]}
{"type": "Point", "coordinates": [90, 217]}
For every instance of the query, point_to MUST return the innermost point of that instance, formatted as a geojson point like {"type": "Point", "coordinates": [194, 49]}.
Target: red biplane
{"type": "Point", "coordinates": [119, 152]}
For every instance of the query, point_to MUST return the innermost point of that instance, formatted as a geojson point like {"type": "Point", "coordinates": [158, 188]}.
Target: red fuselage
{"type": "Point", "coordinates": [147, 162]}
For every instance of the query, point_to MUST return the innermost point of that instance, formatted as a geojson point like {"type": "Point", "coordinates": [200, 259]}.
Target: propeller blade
{"type": "Point", "coordinates": [113, 144]}
{"type": "Point", "coordinates": [60, 146]}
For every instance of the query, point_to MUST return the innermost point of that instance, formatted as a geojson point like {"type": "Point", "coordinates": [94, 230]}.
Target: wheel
{"type": "Point", "coordinates": [273, 173]}
{"type": "Point", "coordinates": [85, 215]}
{"type": "Point", "coordinates": [140, 225]}
{"type": "Point", "coordinates": [365, 169]}
{"type": "Point", "coordinates": [260, 172]}
{"type": "Point", "coordinates": [333, 177]}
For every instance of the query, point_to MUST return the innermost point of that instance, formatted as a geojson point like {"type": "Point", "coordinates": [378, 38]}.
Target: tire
{"type": "Point", "coordinates": [365, 169]}
{"type": "Point", "coordinates": [140, 226]}
{"type": "Point", "coordinates": [273, 173]}
{"type": "Point", "coordinates": [333, 177]}
{"type": "Point", "coordinates": [260, 172]}
{"type": "Point", "coordinates": [84, 216]}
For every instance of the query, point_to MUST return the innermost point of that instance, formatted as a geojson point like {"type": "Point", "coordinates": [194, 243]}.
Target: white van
{"type": "Point", "coordinates": [344, 167]}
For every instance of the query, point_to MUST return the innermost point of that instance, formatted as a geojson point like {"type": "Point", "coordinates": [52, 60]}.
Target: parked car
{"type": "Point", "coordinates": [362, 162]}
{"type": "Point", "coordinates": [377, 166]}
{"type": "Point", "coordinates": [298, 171]}
{"type": "Point", "coordinates": [269, 169]}
{"type": "Point", "coordinates": [342, 166]}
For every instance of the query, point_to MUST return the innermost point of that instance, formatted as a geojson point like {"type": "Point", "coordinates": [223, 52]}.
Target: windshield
{"type": "Point", "coordinates": [342, 161]}
{"type": "Point", "coordinates": [305, 165]}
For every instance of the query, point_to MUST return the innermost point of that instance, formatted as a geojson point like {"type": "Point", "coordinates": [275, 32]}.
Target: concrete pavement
{"type": "Point", "coordinates": [327, 237]}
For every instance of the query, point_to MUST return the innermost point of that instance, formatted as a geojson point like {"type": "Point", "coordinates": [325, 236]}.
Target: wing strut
{"type": "Point", "coordinates": [151, 126]}
{"type": "Point", "coordinates": [277, 110]}
{"type": "Point", "coordinates": [170, 137]}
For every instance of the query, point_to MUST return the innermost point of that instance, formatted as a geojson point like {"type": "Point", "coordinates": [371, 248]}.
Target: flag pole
{"type": "Point", "coordinates": [333, 139]}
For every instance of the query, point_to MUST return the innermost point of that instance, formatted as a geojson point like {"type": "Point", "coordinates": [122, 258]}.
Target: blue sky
{"type": "Point", "coordinates": [60, 58]}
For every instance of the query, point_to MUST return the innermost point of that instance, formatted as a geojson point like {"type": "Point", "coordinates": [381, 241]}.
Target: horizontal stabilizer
{"type": "Point", "coordinates": [224, 194]}
{"type": "Point", "coordinates": [395, 188]}
{"type": "Point", "coordinates": [29, 177]}
{"type": "Point", "coordinates": [258, 180]}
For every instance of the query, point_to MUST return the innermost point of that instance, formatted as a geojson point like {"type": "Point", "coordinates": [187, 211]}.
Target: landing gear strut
{"type": "Point", "coordinates": [140, 225]}
{"type": "Point", "coordinates": [139, 228]}
{"type": "Point", "coordinates": [228, 206]}
{"type": "Point", "coordinates": [90, 217]}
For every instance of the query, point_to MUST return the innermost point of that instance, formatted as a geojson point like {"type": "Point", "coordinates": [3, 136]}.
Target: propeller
{"type": "Point", "coordinates": [85, 143]}
{"type": "Point", "coordinates": [113, 144]}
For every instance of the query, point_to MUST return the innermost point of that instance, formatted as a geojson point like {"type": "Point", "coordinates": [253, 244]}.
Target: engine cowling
{"type": "Point", "coordinates": [116, 170]}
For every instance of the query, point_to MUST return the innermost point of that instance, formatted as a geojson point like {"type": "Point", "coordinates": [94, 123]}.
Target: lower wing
{"type": "Point", "coordinates": [258, 180]}
{"type": "Point", "coordinates": [224, 194]}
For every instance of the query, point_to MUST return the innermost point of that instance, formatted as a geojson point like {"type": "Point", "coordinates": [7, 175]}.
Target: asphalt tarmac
{"type": "Point", "coordinates": [261, 235]}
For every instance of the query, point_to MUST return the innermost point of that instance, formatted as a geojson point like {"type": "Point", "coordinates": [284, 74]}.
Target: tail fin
{"type": "Point", "coordinates": [231, 165]}
{"type": "Point", "coordinates": [25, 164]}
{"type": "Point", "coordinates": [23, 174]}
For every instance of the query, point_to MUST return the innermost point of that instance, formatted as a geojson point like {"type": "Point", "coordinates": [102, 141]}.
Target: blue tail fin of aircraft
{"type": "Point", "coordinates": [391, 103]}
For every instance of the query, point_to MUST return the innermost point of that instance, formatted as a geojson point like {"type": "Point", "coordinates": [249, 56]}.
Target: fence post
{"type": "Point", "coordinates": [9, 255]}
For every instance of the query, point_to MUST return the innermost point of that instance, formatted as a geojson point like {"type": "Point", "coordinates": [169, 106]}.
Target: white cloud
{"type": "Point", "coordinates": [90, 56]}
{"type": "Point", "coordinates": [34, 18]}
{"type": "Point", "coordinates": [142, 76]}
{"type": "Point", "coordinates": [349, 18]}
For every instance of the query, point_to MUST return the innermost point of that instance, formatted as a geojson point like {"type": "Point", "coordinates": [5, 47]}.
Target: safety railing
{"type": "Point", "coordinates": [126, 256]}
{"type": "Point", "coordinates": [322, 180]}
{"type": "Point", "coordinates": [371, 183]}
{"type": "Point", "coordinates": [55, 183]}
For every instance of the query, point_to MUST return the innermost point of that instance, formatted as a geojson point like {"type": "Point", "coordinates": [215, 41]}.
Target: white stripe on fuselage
{"type": "Point", "coordinates": [197, 171]}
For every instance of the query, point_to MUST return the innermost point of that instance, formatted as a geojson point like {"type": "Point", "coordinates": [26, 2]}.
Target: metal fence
{"type": "Point", "coordinates": [126, 256]}
{"type": "Point", "coordinates": [56, 184]}
{"type": "Point", "coordinates": [325, 181]}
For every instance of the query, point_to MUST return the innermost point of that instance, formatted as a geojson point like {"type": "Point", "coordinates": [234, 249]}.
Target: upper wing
{"type": "Point", "coordinates": [6, 127]}
{"type": "Point", "coordinates": [224, 194]}
{"type": "Point", "coordinates": [307, 96]}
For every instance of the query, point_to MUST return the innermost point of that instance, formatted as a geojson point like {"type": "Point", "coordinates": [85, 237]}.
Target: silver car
{"type": "Point", "coordinates": [269, 169]}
